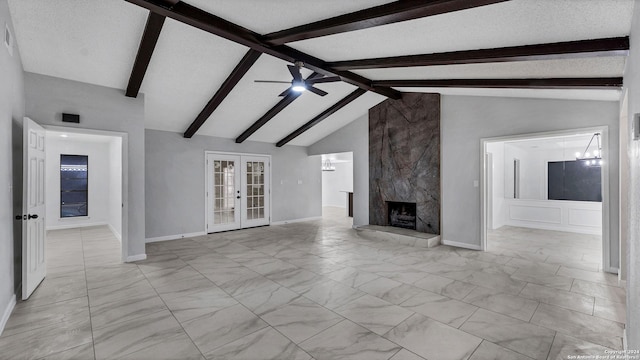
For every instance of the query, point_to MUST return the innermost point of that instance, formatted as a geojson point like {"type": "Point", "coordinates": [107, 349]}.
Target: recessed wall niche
{"type": "Point", "coordinates": [404, 159]}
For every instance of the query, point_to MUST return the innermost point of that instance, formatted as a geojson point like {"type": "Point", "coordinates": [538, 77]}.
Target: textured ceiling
{"type": "Point", "coordinates": [511, 23]}
{"type": "Point", "coordinates": [95, 41]}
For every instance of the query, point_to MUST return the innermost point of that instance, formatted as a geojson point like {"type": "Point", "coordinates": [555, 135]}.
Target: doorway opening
{"type": "Point", "coordinates": [545, 197]}
{"type": "Point", "coordinates": [337, 188]}
{"type": "Point", "coordinates": [238, 191]}
{"type": "Point", "coordinates": [75, 184]}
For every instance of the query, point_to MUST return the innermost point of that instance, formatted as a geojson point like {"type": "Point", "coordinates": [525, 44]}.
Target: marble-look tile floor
{"type": "Point", "coordinates": [317, 290]}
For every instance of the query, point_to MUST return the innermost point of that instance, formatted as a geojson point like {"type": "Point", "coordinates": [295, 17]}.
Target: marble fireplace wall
{"type": "Point", "coordinates": [404, 158]}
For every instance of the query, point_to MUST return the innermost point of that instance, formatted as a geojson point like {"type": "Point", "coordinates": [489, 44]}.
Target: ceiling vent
{"type": "Point", "coordinates": [8, 39]}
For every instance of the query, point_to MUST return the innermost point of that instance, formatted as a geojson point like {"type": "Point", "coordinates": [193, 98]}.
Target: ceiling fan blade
{"type": "Point", "coordinates": [317, 91]}
{"type": "Point", "coordinates": [295, 72]}
{"type": "Point", "coordinates": [285, 93]}
{"type": "Point", "coordinates": [273, 81]}
{"type": "Point", "coordinates": [327, 79]}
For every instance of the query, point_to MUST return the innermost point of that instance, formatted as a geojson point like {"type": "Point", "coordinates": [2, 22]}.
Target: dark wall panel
{"type": "Point", "coordinates": [404, 158]}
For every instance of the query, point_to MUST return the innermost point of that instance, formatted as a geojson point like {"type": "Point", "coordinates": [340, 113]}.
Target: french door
{"type": "Point", "coordinates": [238, 190]}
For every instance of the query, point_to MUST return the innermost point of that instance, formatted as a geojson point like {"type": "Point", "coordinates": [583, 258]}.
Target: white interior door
{"type": "Point", "coordinates": [237, 191]}
{"type": "Point", "coordinates": [33, 235]}
{"type": "Point", "coordinates": [223, 192]}
{"type": "Point", "coordinates": [256, 189]}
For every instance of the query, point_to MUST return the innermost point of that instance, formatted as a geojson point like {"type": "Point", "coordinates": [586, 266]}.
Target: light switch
{"type": "Point", "coordinates": [476, 183]}
{"type": "Point", "coordinates": [299, 182]}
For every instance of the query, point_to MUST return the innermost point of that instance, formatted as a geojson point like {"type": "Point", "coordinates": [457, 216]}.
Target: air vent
{"type": "Point", "coordinates": [8, 39]}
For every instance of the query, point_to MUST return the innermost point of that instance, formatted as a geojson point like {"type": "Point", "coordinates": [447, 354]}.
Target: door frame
{"type": "Point", "coordinates": [206, 183]}
{"type": "Point", "coordinates": [124, 244]}
{"type": "Point", "coordinates": [484, 210]}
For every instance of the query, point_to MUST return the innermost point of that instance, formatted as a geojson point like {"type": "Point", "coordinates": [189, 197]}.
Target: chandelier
{"type": "Point", "coordinates": [594, 157]}
{"type": "Point", "coordinates": [328, 166]}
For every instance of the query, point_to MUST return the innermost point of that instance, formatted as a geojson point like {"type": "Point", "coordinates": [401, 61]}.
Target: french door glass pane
{"type": "Point", "coordinates": [224, 191]}
{"type": "Point", "coordinates": [255, 190]}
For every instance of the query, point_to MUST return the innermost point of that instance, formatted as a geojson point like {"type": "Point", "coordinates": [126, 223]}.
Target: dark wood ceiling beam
{"type": "Point", "coordinates": [325, 114]}
{"type": "Point", "coordinates": [232, 80]}
{"type": "Point", "coordinates": [376, 16]}
{"type": "Point", "coordinates": [148, 43]}
{"type": "Point", "coordinates": [281, 105]}
{"type": "Point", "coordinates": [210, 23]}
{"type": "Point", "coordinates": [537, 83]}
{"type": "Point", "coordinates": [618, 46]}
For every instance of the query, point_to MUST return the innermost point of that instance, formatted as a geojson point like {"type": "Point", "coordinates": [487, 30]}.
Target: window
{"type": "Point", "coordinates": [73, 185]}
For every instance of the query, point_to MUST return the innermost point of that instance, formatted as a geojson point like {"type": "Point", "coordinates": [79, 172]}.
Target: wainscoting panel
{"type": "Point", "coordinates": [574, 216]}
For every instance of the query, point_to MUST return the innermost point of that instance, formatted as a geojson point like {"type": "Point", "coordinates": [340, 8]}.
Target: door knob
{"type": "Point", "coordinates": [34, 216]}
{"type": "Point", "coordinates": [18, 217]}
{"type": "Point", "coordinates": [238, 197]}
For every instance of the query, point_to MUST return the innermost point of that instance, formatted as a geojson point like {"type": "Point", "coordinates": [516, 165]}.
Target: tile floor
{"type": "Point", "coordinates": [317, 290]}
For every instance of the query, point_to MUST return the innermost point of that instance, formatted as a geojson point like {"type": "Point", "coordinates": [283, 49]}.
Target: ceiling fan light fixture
{"type": "Point", "coordinates": [298, 86]}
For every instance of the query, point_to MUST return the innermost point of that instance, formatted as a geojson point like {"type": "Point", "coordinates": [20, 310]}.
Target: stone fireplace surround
{"type": "Point", "coordinates": [404, 158]}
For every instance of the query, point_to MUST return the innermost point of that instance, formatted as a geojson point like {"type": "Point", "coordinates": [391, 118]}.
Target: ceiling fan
{"type": "Point", "coordinates": [298, 84]}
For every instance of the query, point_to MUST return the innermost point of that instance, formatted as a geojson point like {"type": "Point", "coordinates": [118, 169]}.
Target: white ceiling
{"type": "Point", "coordinates": [95, 41]}
{"type": "Point", "coordinates": [73, 136]}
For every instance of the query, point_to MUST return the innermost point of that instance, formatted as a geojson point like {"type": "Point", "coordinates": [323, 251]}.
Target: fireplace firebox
{"type": "Point", "coordinates": [402, 214]}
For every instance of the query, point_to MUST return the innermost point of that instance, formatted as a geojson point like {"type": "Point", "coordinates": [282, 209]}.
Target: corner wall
{"type": "Point", "coordinates": [632, 84]}
{"type": "Point", "coordinates": [11, 114]}
{"type": "Point", "coordinates": [352, 137]}
{"type": "Point", "coordinates": [175, 181]}
{"type": "Point", "coordinates": [100, 108]}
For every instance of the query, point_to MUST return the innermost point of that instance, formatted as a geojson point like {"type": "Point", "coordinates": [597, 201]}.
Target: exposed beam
{"type": "Point", "coordinates": [618, 46]}
{"type": "Point", "coordinates": [325, 114]}
{"type": "Point", "coordinates": [380, 15]}
{"type": "Point", "coordinates": [145, 51]}
{"type": "Point", "coordinates": [147, 44]}
{"type": "Point", "coordinates": [208, 22]}
{"type": "Point", "coordinates": [236, 75]}
{"type": "Point", "coordinates": [537, 83]}
{"type": "Point", "coordinates": [281, 105]}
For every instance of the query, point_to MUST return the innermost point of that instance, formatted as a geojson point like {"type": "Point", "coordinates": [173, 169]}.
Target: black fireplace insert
{"type": "Point", "coordinates": [402, 214]}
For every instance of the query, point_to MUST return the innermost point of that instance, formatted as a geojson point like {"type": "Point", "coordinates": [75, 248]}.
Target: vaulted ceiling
{"type": "Point", "coordinates": [198, 61]}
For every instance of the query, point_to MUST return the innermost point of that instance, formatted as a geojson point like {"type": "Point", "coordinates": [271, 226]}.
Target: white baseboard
{"type": "Point", "coordinates": [7, 312]}
{"type": "Point", "coordinates": [296, 220]}
{"type": "Point", "coordinates": [138, 257]}
{"type": "Point", "coordinates": [174, 237]}
{"type": "Point", "coordinates": [622, 283]}
{"type": "Point", "coordinates": [75, 225]}
{"type": "Point", "coordinates": [115, 232]}
{"type": "Point", "coordinates": [461, 245]}
{"type": "Point", "coordinates": [612, 270]}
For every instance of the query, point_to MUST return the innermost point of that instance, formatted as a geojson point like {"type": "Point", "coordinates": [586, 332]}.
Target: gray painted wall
{"type": "Point", "coordinates": [100, 108]}
{"type": "Point", "coordinates": [352, 137]}
{"type": "Point", "coordinates": [175, 181]}
{"type": "Point", "coordinates": [11, 114]}
{"type": "Point", "coordinates": [466, 120]}
{"type": "Point", "coordinates": [632, 84]}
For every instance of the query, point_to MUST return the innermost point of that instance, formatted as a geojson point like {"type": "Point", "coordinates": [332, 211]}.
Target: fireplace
{"type": "Point", "coordinates": [402, 214]}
